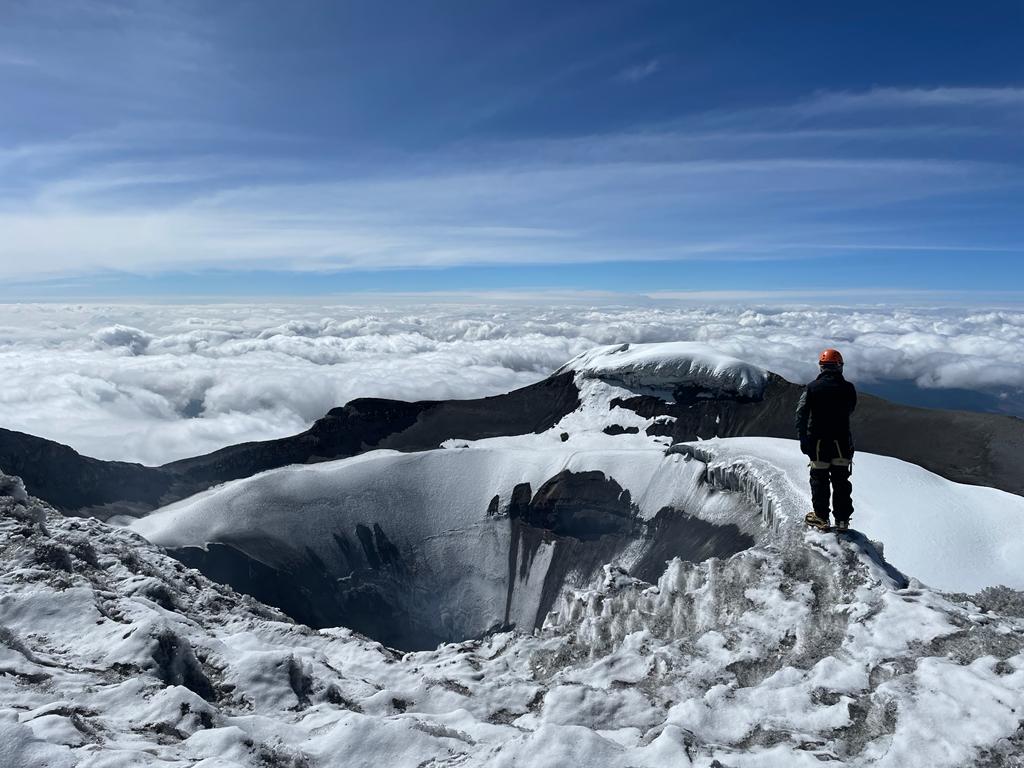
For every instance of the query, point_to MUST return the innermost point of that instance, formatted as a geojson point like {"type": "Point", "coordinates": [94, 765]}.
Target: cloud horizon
{"type": "Point", "coordinates": [154, 383]}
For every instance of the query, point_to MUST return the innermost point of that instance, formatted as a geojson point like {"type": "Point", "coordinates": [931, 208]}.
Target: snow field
{"type": "Point", "coordinates": [948, 535]}
{"type": "Point", "coordinates": [951, 536]}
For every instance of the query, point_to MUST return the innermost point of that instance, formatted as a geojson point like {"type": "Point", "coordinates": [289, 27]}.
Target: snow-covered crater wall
{"type": "Point", "coordinates": [418, 549]}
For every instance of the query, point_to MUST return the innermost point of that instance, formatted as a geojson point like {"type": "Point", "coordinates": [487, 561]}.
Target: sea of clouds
{"type": "Point", "coordinates": [160, 382]}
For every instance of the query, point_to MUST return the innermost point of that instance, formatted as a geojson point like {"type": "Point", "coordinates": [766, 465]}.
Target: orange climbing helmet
{"type": "Point", "coordinates": [830, 357]}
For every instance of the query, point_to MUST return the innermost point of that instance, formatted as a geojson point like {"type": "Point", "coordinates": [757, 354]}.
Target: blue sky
{"type": "Point", "coordinates": [654, 147]}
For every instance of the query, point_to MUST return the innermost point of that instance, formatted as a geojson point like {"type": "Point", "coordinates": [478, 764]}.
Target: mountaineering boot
{"type": "Point", "coordinates": [816, 522]}
{"type": "Point", "coordinates": [842, 526]}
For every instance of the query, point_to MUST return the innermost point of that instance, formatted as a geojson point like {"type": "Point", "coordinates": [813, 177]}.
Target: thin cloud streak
{"type": "Point", "coordinates": [889, 98]}
{"type": "Point", "coordinates": [670, 194]}
{"type": "Point", "coordinates": [638, 72]}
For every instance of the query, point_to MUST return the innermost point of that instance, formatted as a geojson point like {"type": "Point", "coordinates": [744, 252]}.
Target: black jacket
{"type": "Point", "coordinates": [825, 408]}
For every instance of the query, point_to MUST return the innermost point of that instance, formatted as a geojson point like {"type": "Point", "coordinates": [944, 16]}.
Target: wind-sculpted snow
{"type": "Point", "coordinates": [617, 601]}
{"type": "Point", "coordinates": [113, 654]}
{"type": "Point", "coordinates": [759, 485]}
{"type": "Point", "coordinates": [815, 653]}
{"type": "Point", "coordinates": [688, 366]}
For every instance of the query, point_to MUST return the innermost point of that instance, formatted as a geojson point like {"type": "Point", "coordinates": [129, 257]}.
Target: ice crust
{"type": "Point", "coordinates": [668, 365]}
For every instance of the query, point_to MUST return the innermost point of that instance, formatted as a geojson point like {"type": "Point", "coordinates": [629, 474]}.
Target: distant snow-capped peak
{"type": "Point", "coordinates": [671, 364]}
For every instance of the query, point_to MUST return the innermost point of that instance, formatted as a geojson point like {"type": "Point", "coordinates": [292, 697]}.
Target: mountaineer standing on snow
{"type": "Point", "coordinates": [823, 425]}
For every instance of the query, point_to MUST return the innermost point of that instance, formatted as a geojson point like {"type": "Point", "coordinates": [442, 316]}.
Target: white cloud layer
{"type": "Point", "coordinates": [157, 383]}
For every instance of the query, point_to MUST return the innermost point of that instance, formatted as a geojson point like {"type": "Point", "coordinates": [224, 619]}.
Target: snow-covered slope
{"type": "Point", "coordinates": [113, 654]}
{"type": "Point", "coordinates": [951, 536]}
{"type": "Point", "coordinates": [452, 555]}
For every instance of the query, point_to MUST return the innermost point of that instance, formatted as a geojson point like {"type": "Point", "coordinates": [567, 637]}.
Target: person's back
{"type": "Point", "coordinates": [823, 426]}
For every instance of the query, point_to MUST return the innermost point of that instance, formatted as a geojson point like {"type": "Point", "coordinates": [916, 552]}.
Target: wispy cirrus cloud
{"type": "Point", "coordinates": [638, 72]}
{"type": "Point", "coordinates": [791, 181]}
{"type": "Point", "coordinates": [10, 59]}
{"type": "Point", "coordinates": [902, 98]}
{"type": "Point", "coordinates": [150, 138]}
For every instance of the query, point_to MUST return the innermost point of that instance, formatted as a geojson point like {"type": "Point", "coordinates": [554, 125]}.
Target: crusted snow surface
{"type": "Point", "coordinates": [671, 365]}
{"type": "Point", "coordinates": [113, 654]}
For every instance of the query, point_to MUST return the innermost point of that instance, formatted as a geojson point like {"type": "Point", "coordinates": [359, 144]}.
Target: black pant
{"type": "Point", "coordinates": [831, 467]}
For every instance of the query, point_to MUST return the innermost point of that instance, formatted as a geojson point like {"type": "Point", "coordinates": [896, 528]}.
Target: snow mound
{"type": "Point", "coordinates": [671, 365]}
{"type": "Point", "coordinates": [13, 487]}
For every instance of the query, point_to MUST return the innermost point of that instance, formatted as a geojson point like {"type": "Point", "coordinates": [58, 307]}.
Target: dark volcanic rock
{"type": "Point", "coordinates": [368, 423]}
{"type": "Point", "coordinates": [345, 431]}
{"type": "Point", "coordinates": [72, 482]}
{"type": "Point", "coordinates": [77, 484]}
{"type": "Point", "coordinates": [618, 429]}
{"type": "Point", "coordinates": [581, 505]}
